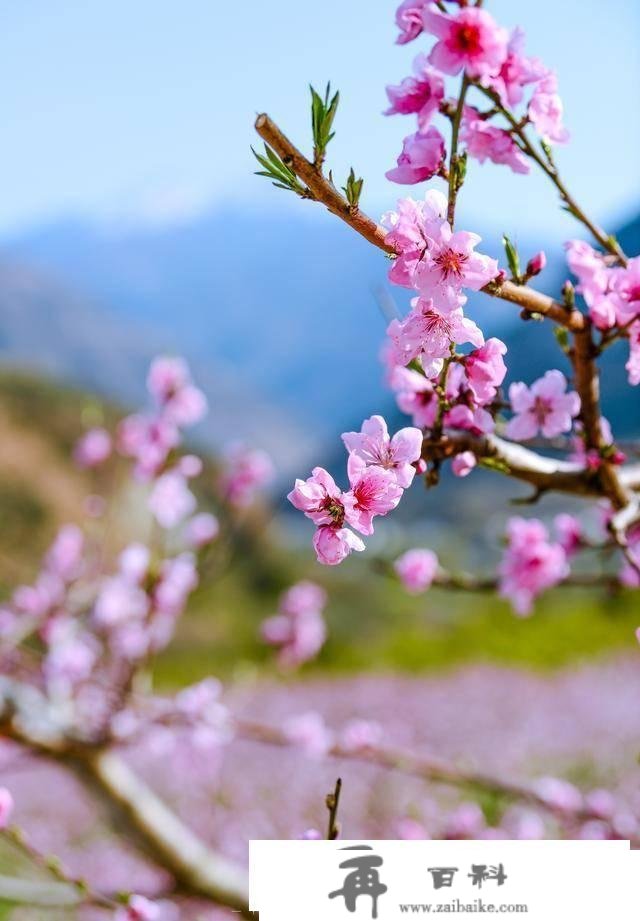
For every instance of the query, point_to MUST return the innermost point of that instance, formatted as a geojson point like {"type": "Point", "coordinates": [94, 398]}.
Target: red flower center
{"type": "Point", "coordinates": [451, 262]}
{"type": "Point", "coordinates": [467, 39]}
{"type": "Point", "coordinates": [541, 409]}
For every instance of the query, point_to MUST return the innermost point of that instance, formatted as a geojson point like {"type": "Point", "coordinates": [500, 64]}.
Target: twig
{"type": "Point", "coordinates": [75, 891]}
{"type": "Point", "coordinates": [325, 192]}
{"type": "Point", "coordinates": [27, 718]}
{"type": "Point", "coordinates": [333, 802]}
{"type": "Point", "coordinates": [321, 189]}
{"type": "Point", "coordinates": [518, 130]}
{"type": "Point", "coordinates": [425, 767]}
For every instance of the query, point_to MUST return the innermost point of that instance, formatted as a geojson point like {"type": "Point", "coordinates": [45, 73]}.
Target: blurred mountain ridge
{"type": "Point", "coordinates": [280, 314]}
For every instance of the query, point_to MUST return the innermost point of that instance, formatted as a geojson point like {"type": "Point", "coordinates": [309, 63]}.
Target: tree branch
{"type": "Point", "coordinates": [26, 717]}
{"type": "Point", "coordinates": [325, 192]}
{"type": "Point", "coordinates": [321, 189]}
{"type": "Point", "coordinates": [433, 770]}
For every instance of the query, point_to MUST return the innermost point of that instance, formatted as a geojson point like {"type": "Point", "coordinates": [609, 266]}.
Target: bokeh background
{"type": "Point", "coordinates": [131, 223]}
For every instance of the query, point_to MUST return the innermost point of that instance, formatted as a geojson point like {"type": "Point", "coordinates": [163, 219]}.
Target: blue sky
{"type": "Point", "coordinates": [145, 107]}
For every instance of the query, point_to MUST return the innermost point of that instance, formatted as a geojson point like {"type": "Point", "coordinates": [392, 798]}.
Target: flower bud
{"type": "Point", "coordinates": [536, 264]}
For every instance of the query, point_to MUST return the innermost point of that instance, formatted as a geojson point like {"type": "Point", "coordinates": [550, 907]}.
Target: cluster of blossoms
{"type": "Point", "coordinates": [379, 469]}
{"type": "Point", "coordinates": [612, 295]}
{"type": "Point", "coordinates": [95, 621]}
{"type": "Point", "coordinates": [443, 371]}
{"type": "Point", "coordinates": [298, 630]}
{"type": "Point", "coordinates": [470, 41]}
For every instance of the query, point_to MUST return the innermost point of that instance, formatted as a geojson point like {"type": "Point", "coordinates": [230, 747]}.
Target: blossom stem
{"type": "Point", "coordinates": [455, 180]}
{"type": "Point", "coordinates": [608, 243]}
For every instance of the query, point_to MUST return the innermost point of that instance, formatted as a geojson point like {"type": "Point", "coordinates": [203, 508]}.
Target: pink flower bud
{"type": "Point", "coordinates": [93, 448]}
{"type": "Point", "coordinates": [463, 464]}
{"type": "Point", "coordinates": [536, 264]}
{"type": "Point", "coordinates": [416, 569]}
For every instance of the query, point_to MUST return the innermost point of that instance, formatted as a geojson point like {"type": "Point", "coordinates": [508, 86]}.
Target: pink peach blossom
{"type": "Point", "coordinates": [625, 283]}
{"type": "Point", "coordinates": [64, 557]}
{"type": "Point", "coordinates": [485, 370]}
{"type": "Point", "coordinates": [299, 630]}
{"type": "Point", "coordinates": [409, 20]}
{"type": "Point", "coordinates": [472, 419]}
{"type": "Point", "coordinates": [468, 39]}
{"type": "Point", "coordinates": [420, 95]}
{"type": "Point", "coordinates": [201, 530]}
{"type": "Point", "coordinates": [171, 500]}
{"type": "Point", "coordinates": [247, 471]}
{"type": "Point", "coordinates": [359, 735]}
{"type": "Point", "coordinates": [333, 545]}
{"type": "Point", "coordinates": [531, 564]}
{"type": "Point", "coordinates": [169, 382]}
{"type": "Point", "coordinates": [416, 569]}
{"type": "Point", "coordinates": [309, 732]}
{"type": "Point", "coordinates": [149, 440]}
{"type": "Point", "coordinates": [544, 407]}
{"type": "Point", "coordinates": [516, 72]}
{"type": "Point", "coordinates": [427, 332]}
{"type": "Point", "coordinates": [6, 807]}
{"type": "Point", "coordinates": [462, 464]}
{"type": "Point", "coordinates": [303, 598]}
{"type": "Point", "coordinates": [546, 110]}
{"type": "Point", "coordinates": [453, 264]}
{"type": "Point", "coordinates": [415, 396]}
{"type": "Point", "coordinates": [374, 491]}
{"type": "Point", "coordinates": [93, 448]}
{"type": "Point", "coordinates": [568, 530]}
{"type": "Point", "coordinates": [421, 158]}
{"type": "Point", "coordinates": [411, 228]}
{"type": "Point", "coordinates": [320, 499]}
{"type": "Point", "coordinates": [485, 141]}
{"type": "Point", "coordinates": [374, 445]}
{"type": "Point", "coordinates": [633, 364]}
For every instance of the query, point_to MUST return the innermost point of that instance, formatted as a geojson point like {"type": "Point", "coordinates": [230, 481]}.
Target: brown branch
{"type": "Point", "coordinates": [332, 803]}
{"type": "Point", "coordinates": [425, 767]}
{"type": "Point", "coordinates": [27, 718]}
{"type": "Point", "coordinates": [587, 383]}
{"type": "Point", "coordinates": [323, 191]}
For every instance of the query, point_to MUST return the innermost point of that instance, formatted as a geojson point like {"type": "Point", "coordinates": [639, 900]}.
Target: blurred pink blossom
{"type": "Point", "coordinates": [416, 569]}
{"type": "Point", "coordinates": [93, 448]}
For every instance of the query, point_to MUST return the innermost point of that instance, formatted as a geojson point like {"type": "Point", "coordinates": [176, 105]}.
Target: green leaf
{"type": "Point", "coordinates": [353, 189]}
{"type": "Point", "coordinates": [562, 337]}
{"type": "Point", "coordinates": [323, 112]}
{"type": "Point", "coordinates": [513, 259]}
{"type": "Point", "coordinates": [281, 175]}
{"type": "Point", "coordinates": [492, 463]}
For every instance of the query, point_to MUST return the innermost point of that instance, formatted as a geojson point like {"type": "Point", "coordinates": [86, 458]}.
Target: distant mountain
{"type": "Point", "coordinates": [279, 312]}
{"type": "Point", "coordinates": [48, 327]}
